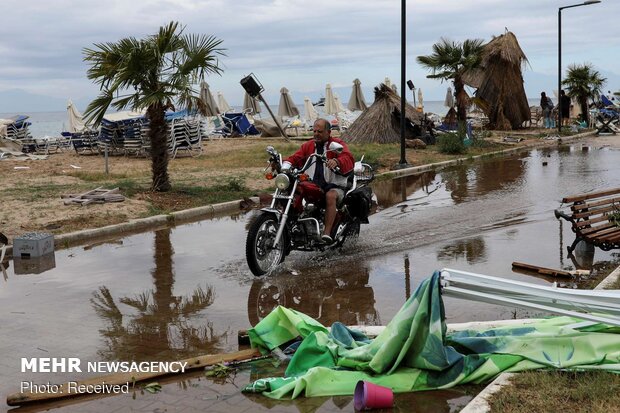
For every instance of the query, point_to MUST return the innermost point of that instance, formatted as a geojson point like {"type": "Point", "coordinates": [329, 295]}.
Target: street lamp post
{"type": "Point", "coordinates": [585, 3]}
{"type": "Point", "coordinates": [403, 67]}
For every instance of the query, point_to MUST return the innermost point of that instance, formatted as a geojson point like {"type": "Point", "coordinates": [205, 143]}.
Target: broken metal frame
{"type": "Point", "coordinates": [594, 306]}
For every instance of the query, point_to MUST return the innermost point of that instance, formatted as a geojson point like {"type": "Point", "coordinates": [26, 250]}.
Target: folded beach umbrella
{"type": "Point", "coordinates": [331, 108]}
{"type": "Point", "coordinates": [309, 112]}
{"type": "Point", "coordinates": [250, 104]}
{"type": "Point", "coordinates": [207, 98]}
{"type": "Point", "coordinates": [420, 100]}
{"type": "Point", "coordinates": [76, 121]}
{"type": "Point", "coordinates": [339, 104]}
{"type": "Point", "coordinates": [287, 106]}
{"type": "Point", "coordinates": [357, 101]}
{"type": "Point", "coordinates": [449, 101]}
{"type": "Point", "coordinates": [222, 104]}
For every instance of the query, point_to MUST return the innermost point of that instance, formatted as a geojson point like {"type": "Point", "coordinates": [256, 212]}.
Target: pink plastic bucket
{"type": "Point", "coordinates": [372, 396]}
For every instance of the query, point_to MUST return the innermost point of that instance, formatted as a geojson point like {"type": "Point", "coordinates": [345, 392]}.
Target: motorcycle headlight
{"type": "Point", "coordinates": [282, 181]}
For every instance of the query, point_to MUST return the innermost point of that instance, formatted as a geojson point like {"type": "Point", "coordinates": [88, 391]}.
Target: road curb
{"type": "Point", "coordinates": [439, 165]}
{"type": "Point", "coordinates": [134, 226]}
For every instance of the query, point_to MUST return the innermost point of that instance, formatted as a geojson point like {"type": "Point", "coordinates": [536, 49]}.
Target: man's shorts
{"type": "Point", "coordinates": [340, 193]}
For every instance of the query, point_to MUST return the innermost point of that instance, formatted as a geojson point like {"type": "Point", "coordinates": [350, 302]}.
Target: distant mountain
{"type": "Point", "coordinates": [19, 101]}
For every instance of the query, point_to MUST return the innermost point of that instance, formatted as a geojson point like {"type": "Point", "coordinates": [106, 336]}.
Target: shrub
{"type": "Point", "coordinates": [450, 143]}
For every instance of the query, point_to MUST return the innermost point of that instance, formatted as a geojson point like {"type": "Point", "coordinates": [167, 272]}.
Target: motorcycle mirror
{"type": "Point", "coordinates": [271, 150]}
{"type": "Point", "coordinates": [336, 147]}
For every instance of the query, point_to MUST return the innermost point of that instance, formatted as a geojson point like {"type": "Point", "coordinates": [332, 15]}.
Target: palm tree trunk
{"type": "Point", "coordinates": [461, 104]}
{"type": "Point", "coordinates": [159, 148]}
{"type": "Point", "coordinates": [583, 102]}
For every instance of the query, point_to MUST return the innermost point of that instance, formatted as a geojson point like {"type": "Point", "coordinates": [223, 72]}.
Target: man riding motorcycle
{"type": "Point", "coordinates": [330, 177]}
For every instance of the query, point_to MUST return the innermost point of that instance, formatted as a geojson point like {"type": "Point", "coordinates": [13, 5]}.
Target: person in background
{"type": "Point", "coordinates": [546, 104]}
{"type": "Point", "coordinates": [565, 108]}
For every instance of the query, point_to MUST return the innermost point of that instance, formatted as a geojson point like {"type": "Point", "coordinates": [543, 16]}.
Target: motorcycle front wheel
{"type": "Point", "coordinates": [261, 254]}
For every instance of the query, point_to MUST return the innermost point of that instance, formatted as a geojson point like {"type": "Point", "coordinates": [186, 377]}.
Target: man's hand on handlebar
{"type": "Point", "coordinates": [332, 164]}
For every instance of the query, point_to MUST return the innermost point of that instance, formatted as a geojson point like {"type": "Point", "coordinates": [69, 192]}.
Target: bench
{"type": "Point", "coordinates": [590, 218]}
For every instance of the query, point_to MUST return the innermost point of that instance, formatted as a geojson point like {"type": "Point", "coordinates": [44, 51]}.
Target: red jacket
{"type": "Point", "coordinates": [345, 158]}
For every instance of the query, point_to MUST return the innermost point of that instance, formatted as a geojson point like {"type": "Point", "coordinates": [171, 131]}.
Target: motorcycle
{"type": "Point", "coordinates": [295, 218]}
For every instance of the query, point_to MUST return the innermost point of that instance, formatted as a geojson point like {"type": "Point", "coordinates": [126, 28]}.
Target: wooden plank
{"type": "Point", "coordinates": [541, 270]}
{"type": "Point", "coordinates": [598, 211]}
{"type": "Point", "coordinates": [577, 207]}
{"type": "Point", "coordinates": [193, 363]}
{"type": "Point", "coordinates": [577, 198]}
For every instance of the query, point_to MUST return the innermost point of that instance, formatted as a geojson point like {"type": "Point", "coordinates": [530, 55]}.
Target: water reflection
{"type": "Point", "coordinates": [324, 295]}
{"type": "Point", "coordinates": [474, 250]}
{"type": "Point", "coordinates": [156, 323]}
{"type": "Point", "coordinates": [483, 177]}
{"type": "Point", "coordinates": [397, 190]}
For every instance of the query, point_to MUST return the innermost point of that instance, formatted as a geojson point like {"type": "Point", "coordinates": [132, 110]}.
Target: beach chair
{"type": "Point", "coordinates": [238, 124]}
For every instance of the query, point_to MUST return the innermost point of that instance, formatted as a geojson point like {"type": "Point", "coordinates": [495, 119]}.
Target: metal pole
{"type": "Point", "coordinates": [403, 68]}
{"type": "Point", "coordinates": [559, 70]}
{"type": "Point", "coordinates": [260, 96]}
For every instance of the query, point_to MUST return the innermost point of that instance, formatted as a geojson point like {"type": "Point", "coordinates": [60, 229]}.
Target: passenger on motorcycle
{"type": "Point", "coordinates": [330, 177]}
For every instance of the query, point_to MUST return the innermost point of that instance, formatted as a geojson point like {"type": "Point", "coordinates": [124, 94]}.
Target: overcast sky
{"type": "Point", "coordinates": [299, 44]}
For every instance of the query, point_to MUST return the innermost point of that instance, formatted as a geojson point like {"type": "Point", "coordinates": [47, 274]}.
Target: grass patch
{"type": "Point", "coordinates": [559, 391]}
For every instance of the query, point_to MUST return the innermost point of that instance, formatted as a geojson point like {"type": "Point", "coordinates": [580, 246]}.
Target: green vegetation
{"type": "Point", "coordinates": [558, 391]}
{"type": "Point", "coordinates": [582, 82]}
{"type": "Point", "coordinates": [154, 74]}
{"type": "Point", "coordinates": [451, 143]}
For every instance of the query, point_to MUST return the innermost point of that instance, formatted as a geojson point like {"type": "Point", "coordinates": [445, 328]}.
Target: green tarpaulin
{"type": "Point", "coordinates": [415, 353]}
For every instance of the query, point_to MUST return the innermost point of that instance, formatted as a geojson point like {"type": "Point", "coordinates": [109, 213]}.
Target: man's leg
{"type": "Point", "coordinates": [332, 197]}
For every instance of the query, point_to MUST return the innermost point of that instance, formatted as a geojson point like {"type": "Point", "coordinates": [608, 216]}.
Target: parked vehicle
{"type": "Point", "coordinates": [295, 218]}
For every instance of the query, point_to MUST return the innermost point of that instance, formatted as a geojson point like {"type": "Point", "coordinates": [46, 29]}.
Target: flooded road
{"type": "Point", "coordinates": [186, 291]}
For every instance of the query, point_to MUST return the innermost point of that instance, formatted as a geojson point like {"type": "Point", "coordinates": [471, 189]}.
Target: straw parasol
{"type": "Point", "coordinates": [222, 104]}
{"type": "Point", "coordinates": [211, 108]}
{"type": "Point", "coordinates": [357, 101]}
{"type": "Point", "coordinates": [330, 107]}
{"type": "Point", "coordinates": [500, 82]}
{"type": "Point", "coordinates": [287, 106]}
{"type": "Point", "coordinates": [310, 113]}
{"type": "Point", "coordinates": [380, 123]}
{"type": "Point", "coordinates": [250, 104]}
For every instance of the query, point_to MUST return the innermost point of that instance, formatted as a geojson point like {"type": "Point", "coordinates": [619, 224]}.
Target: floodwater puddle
{"type": "Point", "coordinates": [186, 291]}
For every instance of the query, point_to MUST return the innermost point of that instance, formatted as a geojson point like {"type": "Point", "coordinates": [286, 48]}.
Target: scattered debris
{"type": "Point", "coordinates": [98, 196]}
{"type": "Point", "coordinates": [75, 167]}
{"type": "Point", "coordinates": [21, 167]}
{"type": "Point", "coordinates": [548, 271]}
{"type": "Point", "coordinates": [218, 370]}
{"type": "Point", "coordinates": [153, 387]}
{"type": "Point", "coordinates": [511, 139]}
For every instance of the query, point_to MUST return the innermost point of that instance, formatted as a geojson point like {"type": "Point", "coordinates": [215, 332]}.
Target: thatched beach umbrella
{"type": "Point", "coordinates": [222, 104]}
{"type": "Point", "coordinates": [357, 101]}
{"type": "Point", "coordinates": [380, 123]}
{"type": "Point", "coordinates": [330, 107]}
{"type": "Point", "coordinates": [310, 113]}
{"type": "Point", "coordinates": [211, 108]}
{"type": "Point", "coordinates": [250, 104]}
{"type": "Point", "coordinates": [501, 82]}
{"type": "Point", "coordinates": [287, 106]}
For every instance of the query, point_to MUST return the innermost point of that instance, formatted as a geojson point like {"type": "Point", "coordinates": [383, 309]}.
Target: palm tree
{"type": "Point", "coordinates": [152, 74]}
{"type": "Point", "coordinates": [450, 61]}
{"type": "Point", "coordinates": [582, 83]}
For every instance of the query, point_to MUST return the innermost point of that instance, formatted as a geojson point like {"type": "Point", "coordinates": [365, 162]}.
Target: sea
{"type": "Point", "coordinates": [51, 124]}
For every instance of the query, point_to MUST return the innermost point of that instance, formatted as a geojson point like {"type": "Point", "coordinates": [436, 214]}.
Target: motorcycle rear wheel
{"type": "Point", "coordinates": [351, 234]}
{"type": "Point", "coordinates": [261, 255]}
